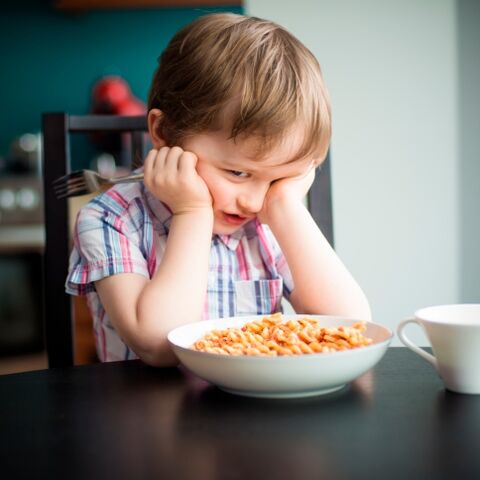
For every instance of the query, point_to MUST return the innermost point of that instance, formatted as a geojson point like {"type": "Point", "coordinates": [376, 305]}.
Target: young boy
{"type": "Point", "coordinates": [239, 118]}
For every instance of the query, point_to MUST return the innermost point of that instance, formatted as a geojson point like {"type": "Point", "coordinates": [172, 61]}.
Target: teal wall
{"type": "Point", "coordinates": [50, 60]}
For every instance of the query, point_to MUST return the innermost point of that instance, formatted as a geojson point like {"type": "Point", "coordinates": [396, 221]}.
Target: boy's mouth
{"type": "Point", "coordinates": [233, 218]}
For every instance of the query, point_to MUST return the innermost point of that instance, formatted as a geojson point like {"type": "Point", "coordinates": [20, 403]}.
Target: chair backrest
{"type": "Point", "coordinates": [57, 161]}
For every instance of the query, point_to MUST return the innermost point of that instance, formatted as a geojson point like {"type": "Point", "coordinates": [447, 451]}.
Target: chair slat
{"type": "Point", "coordinates": [320, 200]}
{"type": "Point", "coordinates": [106, 123]}
{"type": "Point", "coordinates": [138, 148]}
{"type": "Point", "coordinates": [57, 304]}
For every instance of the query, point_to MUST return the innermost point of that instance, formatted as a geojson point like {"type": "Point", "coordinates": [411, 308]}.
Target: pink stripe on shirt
{"type": "Point", "coordinates": [115, 195]}
{"type": "Point", "coordinates": [124, 247]}
{"type": "Point", "coordinates": [242, 263]}
{"type": "Point", "coordinates": [266, 245]}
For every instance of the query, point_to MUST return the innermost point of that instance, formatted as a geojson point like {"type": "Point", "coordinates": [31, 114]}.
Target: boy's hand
{"type": "Point", "coordinates": [287, 190]}
{"type": "Point", "coordinates": [170, 175]}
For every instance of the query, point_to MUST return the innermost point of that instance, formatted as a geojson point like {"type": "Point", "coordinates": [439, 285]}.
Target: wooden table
{"type": "Point", "coordinates": [125, 420]}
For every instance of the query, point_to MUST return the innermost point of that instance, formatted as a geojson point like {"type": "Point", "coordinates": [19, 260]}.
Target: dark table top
{"type": "Point", "coordinates": [128, 420]}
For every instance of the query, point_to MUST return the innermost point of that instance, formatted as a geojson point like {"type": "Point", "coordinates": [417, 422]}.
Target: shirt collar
{"type": "Point", "coordinates": [231, 241]}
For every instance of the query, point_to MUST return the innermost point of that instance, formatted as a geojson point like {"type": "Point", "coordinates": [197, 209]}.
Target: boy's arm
{"type": "Point", "coordinates": [322, 283]}
{"type": "Point", "coordinates": [144, 311]}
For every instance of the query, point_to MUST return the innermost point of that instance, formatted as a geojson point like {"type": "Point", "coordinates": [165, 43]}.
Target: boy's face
{"type": "Point", "coordinates": [237, 181]}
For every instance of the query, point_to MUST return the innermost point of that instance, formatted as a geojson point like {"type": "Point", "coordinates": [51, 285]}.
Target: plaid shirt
{"type": "Point", "coordinates": [124, 230]}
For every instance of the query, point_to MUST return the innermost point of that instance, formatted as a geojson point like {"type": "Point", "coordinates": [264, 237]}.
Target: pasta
{"type": "Point", "coordinates": [271, 336]}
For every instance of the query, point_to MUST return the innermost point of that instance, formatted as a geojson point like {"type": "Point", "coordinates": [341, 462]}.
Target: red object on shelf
{"type": "Point", "coordinates": [112, 95]}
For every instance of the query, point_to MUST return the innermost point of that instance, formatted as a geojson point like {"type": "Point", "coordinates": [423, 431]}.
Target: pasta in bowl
{"type": "Point", "coordinates": [280, 356]}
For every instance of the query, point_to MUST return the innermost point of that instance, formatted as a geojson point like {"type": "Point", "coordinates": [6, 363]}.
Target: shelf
{"type": "Point", "coordinates": [79, 5]}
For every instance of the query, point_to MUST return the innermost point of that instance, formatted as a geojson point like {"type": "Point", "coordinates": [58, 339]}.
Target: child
{"type": "Point", "coordinates": [239, 118]}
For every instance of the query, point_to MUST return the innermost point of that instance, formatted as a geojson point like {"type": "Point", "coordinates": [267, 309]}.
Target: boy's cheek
{"type": "Point", "coordinates": [204, 170]}
{"type": "Point", "coordinates": [278, 185]}
{"type": "Point", "coordinates": [212, 185]}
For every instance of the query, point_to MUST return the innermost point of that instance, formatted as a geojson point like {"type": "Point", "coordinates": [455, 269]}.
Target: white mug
{"type": "Point", "coordinates": [454, 334]}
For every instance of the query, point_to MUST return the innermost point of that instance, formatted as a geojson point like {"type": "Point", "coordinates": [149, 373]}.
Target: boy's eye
{"type": "Point", "coordinates": [237, 173]}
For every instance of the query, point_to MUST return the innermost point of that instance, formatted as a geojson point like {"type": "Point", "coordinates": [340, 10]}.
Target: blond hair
{"type": "Point", "coordinates": [244, 73]}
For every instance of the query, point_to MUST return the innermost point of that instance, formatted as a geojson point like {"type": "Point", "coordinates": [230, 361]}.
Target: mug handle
{"type": "Point", "coordinates": [408, 343]}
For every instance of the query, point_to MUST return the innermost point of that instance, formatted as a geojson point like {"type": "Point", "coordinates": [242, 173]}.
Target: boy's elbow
{"type": "Point", "coordinates": [361, 309]}
{"type": "Point", "coordinates": [158, 357]}
{"type": "Point", "coordinates": [363, 312]}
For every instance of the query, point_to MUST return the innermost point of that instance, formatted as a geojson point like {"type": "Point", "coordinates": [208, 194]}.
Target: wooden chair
{"type": "Point", "coordinates": [57, 131]}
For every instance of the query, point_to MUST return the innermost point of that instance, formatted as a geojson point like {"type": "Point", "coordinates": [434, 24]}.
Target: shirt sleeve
{"type": "Point", "coordinates": [106, 242]}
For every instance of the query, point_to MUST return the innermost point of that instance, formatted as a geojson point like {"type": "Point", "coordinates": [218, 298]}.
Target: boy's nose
{"type": "Point", "coordinates": [251, 201]}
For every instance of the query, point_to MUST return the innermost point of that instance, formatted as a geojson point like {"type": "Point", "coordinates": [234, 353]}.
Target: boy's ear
{"type": "Point", "coordinates": [154, 120]}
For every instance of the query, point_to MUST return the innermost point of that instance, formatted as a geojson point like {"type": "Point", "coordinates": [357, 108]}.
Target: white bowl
{"type": "Point", "coordinates": [281, 376]}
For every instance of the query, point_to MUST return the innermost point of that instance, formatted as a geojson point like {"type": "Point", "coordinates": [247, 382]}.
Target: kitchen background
{"type": "Point", "coordinates": [403, 77]}
{"type": "Point", "coordinates": [51, 61]}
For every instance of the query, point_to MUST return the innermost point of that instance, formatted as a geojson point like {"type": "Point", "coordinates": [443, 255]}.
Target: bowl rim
{"type": "Point", "coordinates": [281, 358]}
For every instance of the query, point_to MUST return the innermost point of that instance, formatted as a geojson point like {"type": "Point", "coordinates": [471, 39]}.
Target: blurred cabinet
{"type": "Point", "coordinates": [21, 329]}
{"type": "Point", "coordinates": [22, 239]}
